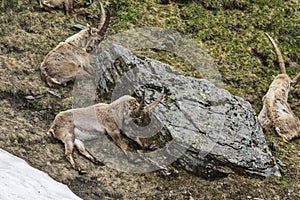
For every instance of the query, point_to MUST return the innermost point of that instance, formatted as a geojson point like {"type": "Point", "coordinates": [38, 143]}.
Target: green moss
{"type": "Point", "coordinates": [232, 32]}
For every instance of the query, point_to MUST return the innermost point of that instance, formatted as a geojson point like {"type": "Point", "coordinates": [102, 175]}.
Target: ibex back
{"type": "Point", "coordinates": [68, 4]}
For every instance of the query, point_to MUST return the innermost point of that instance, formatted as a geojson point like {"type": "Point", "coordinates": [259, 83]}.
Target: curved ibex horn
{"type": "Point", "coordinates": [103, 16]}
{"type": "Point", "coordinates": [278, 53]}
{"type": "Point", "coordinates": [155, 103]}
{"type": "Point", "coordinates": [295, 80]}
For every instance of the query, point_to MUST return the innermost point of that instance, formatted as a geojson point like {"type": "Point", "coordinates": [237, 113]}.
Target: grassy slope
{"type": "Point", "coordinates": [231, 31]}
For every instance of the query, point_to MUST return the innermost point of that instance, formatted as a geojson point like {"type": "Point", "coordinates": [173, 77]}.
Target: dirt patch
{"type": "Point", "coordinates": [27, 109]}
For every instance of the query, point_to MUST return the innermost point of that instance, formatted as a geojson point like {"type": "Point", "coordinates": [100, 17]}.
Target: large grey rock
{"type": "Point", "coordinates": [213, 133]}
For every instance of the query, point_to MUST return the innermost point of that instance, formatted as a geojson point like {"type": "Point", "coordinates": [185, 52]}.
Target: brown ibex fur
{"type": "Point", "coordinates": [276, 114]}
{"type": "Point", "coordinates": [68, 4]}
{"type": "Point", "coordinates": [70, 59]}
{"type": "Point", "coordinates": [110, 118]}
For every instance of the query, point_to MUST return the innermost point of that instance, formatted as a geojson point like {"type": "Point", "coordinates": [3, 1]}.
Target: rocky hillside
{"type": "Point", "coordinates": [230, 31]}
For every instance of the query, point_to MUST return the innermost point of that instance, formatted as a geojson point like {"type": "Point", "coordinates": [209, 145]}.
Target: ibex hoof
{"type": "Point", "coordinates": [97, 162]}
{"type": "Point", "coordinates": [82, 172]}
{"type": "Point", "coordinates": [152, 147]}
{"type": "Point", "coordinates": [51, 140]}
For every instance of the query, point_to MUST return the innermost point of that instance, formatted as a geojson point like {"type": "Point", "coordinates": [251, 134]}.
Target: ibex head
{"type": "Point", "coordinates": [139, 109]}
{"type": "Point", "coordinates": [91, 37]}
{"type": "Point", "coordinates": [127, 108]}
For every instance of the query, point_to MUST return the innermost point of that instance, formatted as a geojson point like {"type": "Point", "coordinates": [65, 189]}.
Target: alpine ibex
{"type": "Point", "coordinates": [70, 59]}
{"type": "Point", "coordinates": [111, 120]}
{"type": "Point", "coordinates": [276, 114]}
{"type": "Point", "coordinates": [68, 4]}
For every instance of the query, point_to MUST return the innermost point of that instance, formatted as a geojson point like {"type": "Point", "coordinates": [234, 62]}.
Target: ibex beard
{"type": "Point", "coordinates": [110, 120]}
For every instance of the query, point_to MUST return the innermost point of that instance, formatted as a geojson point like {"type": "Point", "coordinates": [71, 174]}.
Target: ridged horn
{"type": "Point", "coordinates": [278, 53]}
{"type": "Point", "coordinates": [104, 20]}
{"type": "Point", "coordinates": [295, 80]}
{"type": "Point", "coordinates": [154, 103]}
{"type": "Point", "coordinates": [103, 16]}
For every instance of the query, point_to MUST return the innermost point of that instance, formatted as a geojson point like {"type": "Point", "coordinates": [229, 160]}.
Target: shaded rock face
{"type": "Point", "coordinates": [213, 133]}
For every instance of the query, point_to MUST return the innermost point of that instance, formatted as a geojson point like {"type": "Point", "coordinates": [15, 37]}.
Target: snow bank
{"type": "Point", "coordinates": [18, 180]}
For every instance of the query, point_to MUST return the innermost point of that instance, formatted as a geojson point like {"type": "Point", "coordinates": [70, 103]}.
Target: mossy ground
{"type": "Point", "coordinates": [231, 31]}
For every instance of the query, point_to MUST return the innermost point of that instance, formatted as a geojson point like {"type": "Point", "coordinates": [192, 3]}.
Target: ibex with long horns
{"type": "Point", "coordinates": [276, 114]}
{"type": "Point", "coordinates": [70, 59]}
{"type": "Point", "coordinates": [68, 4]}
{"type": "Point", "coordinates": [110, 120]}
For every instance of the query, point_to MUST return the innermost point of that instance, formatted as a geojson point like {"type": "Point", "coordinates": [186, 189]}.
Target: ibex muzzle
{"type": "Point", "coordinates": [110, 120]}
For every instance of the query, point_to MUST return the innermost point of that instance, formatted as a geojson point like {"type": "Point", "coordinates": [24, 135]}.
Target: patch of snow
{"type": "Point", "coordinates": [18, 180]}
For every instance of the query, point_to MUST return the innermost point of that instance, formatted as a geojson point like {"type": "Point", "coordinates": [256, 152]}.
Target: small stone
{"type": "Point", "coordinates": [29, 97]}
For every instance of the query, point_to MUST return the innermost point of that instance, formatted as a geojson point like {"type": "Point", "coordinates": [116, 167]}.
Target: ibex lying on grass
{"type": "Point", "coordinates": [110, 118]}
{"type": "Point", "coordinates": [70, 59]}
{"type": "Point", "coordinates": [68, 4]}
{"type": "Point", "coordinates": [276, 113]}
